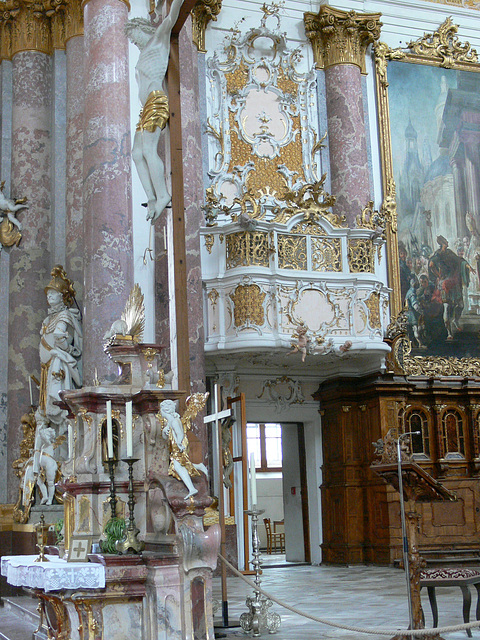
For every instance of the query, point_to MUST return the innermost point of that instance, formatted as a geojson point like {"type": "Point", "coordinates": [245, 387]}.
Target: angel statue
{"type": "Point", "coordinates": [154, 44]}
{"type": "Point", "coordinates": [174, 429]}
{"type": "Point", "coordinates": [10, 227]}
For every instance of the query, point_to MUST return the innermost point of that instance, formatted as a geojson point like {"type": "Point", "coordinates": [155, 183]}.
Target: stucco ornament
{"type": "Point", "coordinates": [10, 227]}
{"type": "Point", "coordinates": [154, 45]}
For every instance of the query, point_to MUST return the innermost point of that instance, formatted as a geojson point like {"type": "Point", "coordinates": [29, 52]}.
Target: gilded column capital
{"type": "Point", "coordinates": [73, 19]}
{"type": "Point", "coordinates": [24, 26]}
{"type": "Point", "coordinates": [341, 37]}
{"type": "Point", "coordinates": [38, 25]}
{"type": "Point", "coordinates": [202, 13]}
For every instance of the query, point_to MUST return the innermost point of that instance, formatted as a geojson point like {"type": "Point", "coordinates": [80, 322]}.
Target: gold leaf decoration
{"type": "Point", "coordinates": [134, 314]}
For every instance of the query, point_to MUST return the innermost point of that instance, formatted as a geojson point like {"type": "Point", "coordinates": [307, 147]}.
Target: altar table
{"type": "Point", "coordinates": [23, 571]}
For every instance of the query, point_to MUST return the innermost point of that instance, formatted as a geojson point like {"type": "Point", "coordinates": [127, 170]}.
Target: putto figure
{"type": "Point", "coordinates": [154, 45]}
{"type": "Point", "coordinates": [10, 227]}
{"type": "Point", "coordinates": [174, 429]}
{"type": "Point", "coordinates": [60, 348]}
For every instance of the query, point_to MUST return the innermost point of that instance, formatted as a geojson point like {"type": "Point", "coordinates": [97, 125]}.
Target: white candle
{"type": "Point", "coordinates": [70, 441]}
{"type": "Point", "coordinates": [129, 428]}
{"type": "Point", "coordinates": [30, 389]}
{"type": "Point", "coordinates": [253, 479]}
{"type": "Point", "coordinates": [109, 429]}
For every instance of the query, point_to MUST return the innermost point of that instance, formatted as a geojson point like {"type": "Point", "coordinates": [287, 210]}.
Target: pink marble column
{"type": "Point", "coordinates": [106, 175]}
{"type": "Point", "coordinates": [339, 42]}
{"type": "Point", "coordinates": [74, 170]}
{"type": "Point", "coordinates": [194, 196]}
{"type": "Point", "coordinates": [30, 261]}
{"type": "Point", "coordinates": [347, 140]}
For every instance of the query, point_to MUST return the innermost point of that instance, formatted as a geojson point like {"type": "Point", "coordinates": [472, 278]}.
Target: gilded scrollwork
{"type": "Point", "coordinates": [209, 240]}
{"type": "Point", "coordinates": [327, 254]}
{"type": "Point", "coordinates": [247, 248]}
{"type": "Point", "coordinates": [292, 251]}
{"type": "Point", "coordinates": [361, 256]}
{"type": "Point", "coordinates": [373, 305]}
{"type": "Point", "coordinates": [202, 13]}
{"type": "Point", "coordinates": [444, 46]}
{"type": "Point", "coordinates": [248, 305]}
{"type": "Point", "coordinates": [314, 202]}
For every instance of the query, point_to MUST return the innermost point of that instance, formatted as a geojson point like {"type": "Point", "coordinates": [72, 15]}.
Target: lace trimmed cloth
{"type": "Point", "coordinates": [23, 571]}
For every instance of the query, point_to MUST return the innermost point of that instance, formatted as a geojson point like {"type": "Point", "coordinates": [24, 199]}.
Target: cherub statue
{"type": "Point", "coordinates": [10, 227]}
{"type": "Point", "coordinates": [154, 45]}
{"type": "Point", "coordinates": [174, 429]}
{"type": "Point", "coordinates": [302, 342]}
{"type": "Point", "coordinates": [41, 465]}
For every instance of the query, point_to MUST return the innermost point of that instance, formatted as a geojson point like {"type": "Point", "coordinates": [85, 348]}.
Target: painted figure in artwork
{"type": "Point", "coordinates": [451, 273]}
{"type": "Point", "coordinates": [174, 431]}
{"type": "Point", "coordinates": [10, 227]}
{"type": "Point", "coordinates": [60, 348]}
{"type": "Point", "coordinates": [154, 45]}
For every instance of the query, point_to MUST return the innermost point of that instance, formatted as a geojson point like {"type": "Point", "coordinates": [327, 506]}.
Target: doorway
{"type": "Point", "coordinates": [279, 450]}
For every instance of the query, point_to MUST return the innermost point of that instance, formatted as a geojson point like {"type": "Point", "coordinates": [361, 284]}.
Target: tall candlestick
{"type": "Point", "coordinates": [30, 389]}
{"type": "Point", "coordinates": [109, 429]}
{"type": "Point", "coordinates": [253, 479]}
{"type": "Point", "coordinates": [129, 428]}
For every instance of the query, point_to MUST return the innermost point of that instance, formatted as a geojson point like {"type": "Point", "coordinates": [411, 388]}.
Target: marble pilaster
{"type": "Point", "coordinates": [74, 169]}
{"type": "Point", "coordinates": [339, 41]}
{"type": "Point", "coordinates": [30, 263]}
{"type": "Point", "coordinates": [106, 175]}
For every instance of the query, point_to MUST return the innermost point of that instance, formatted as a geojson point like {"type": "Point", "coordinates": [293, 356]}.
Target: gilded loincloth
{"type": "Point", "coordinates": [155, 112]}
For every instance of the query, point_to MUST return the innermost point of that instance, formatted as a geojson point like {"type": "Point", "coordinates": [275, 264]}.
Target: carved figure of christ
{"type": "Point", "coordinates": [151, 68]}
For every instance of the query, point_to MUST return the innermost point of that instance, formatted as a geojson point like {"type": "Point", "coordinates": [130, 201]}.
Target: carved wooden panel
{"type": "Point", "coordinates": [356, 414]}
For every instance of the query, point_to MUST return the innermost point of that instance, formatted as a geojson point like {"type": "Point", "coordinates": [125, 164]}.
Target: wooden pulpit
{"type": "Point", "coordinates": [418, 486]}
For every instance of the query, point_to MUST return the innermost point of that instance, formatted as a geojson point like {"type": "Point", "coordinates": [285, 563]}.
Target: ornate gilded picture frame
{"type": "Point", "coordinates": [429, 113]}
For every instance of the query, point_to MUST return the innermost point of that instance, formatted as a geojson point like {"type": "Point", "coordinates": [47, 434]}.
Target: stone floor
{"type": "Point", "coordinates": [362, 596]}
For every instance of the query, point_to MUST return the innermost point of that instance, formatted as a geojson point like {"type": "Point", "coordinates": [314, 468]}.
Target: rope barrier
{"type": "Point", "coordinates": [379, 631]}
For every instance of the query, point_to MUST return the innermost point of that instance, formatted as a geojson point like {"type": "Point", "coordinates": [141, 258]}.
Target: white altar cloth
{"type": "Point", "coordinates": [23, 571]}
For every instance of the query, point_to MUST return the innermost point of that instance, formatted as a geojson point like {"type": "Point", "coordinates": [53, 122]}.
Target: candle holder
{"type": "Point", "coordinates": [130, 542]}
{"type": "Point", "coordinates": [112, 462]}
{"type": "Point", "coordinates": [41, 529]}
{"type": "Point", "coordinates": [258, 619]}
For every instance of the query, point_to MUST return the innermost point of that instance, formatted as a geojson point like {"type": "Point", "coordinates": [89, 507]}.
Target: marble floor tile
{"type": "Point", "coordinates": [369, 597]}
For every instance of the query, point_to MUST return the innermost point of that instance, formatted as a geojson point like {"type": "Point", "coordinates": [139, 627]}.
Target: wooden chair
{"type": "Point", "coordinates": [275, 541]}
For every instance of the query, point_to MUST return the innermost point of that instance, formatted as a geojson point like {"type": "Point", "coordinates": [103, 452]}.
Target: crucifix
{"type": "Point", "coordinates": [215, 417]}
{"type": "Point", "coordinates": [159, 60]}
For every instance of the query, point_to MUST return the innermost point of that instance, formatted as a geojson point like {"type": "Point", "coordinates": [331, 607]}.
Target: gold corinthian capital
{"type": "Point", "coordinates": [38, 25]}
{"type": "Point", "coordinates": [341, 37]}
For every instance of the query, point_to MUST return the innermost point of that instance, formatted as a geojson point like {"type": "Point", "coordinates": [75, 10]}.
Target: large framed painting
{"type": "Point", "coordinates": [429, 111]}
